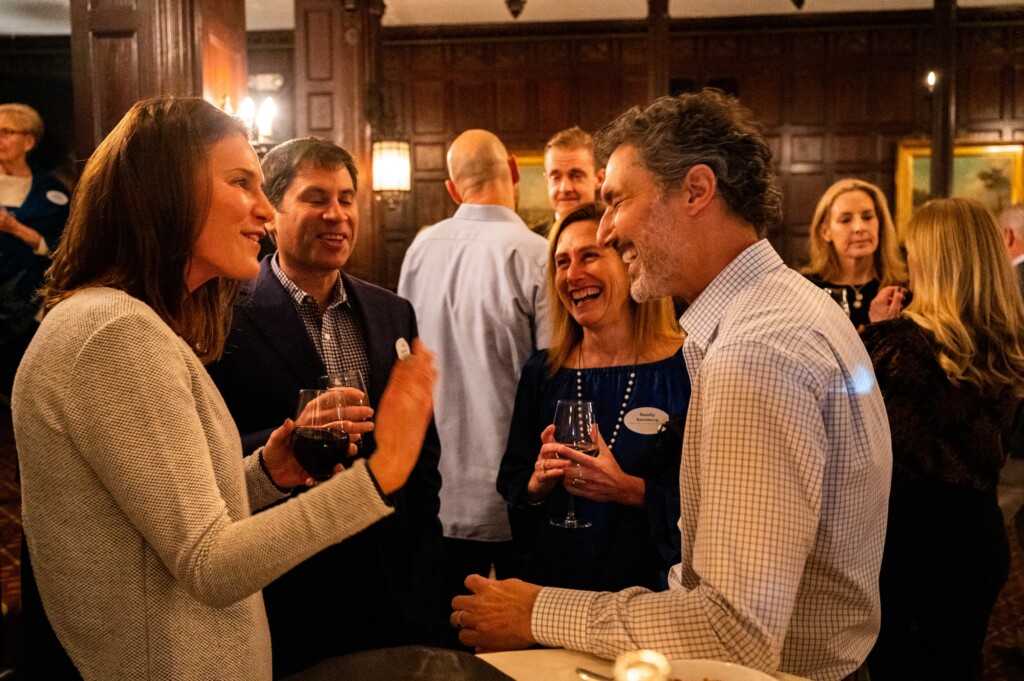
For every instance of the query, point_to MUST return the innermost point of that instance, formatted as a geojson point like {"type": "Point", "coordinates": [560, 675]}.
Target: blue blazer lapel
{"type": "Point", "coordinates": [380, 338]}
{"type": "Point", "coordinates": [271, 312]}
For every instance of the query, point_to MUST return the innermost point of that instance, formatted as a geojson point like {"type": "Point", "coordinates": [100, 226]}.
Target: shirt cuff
{"type": "Point", "coordinates": [262, 490]}
{"type": "Point", "coordinates": [560, 617]}
{"type": "Point", "coordinates": [42, 248]}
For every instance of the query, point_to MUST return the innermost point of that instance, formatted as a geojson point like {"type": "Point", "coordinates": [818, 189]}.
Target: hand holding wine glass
{"type": "Point", "coordinates": [320, 441]}
{"type": "Point", "coordinates": [574, 426]}
{"type": "Point", "coordinates": [549, 468]}
{"type": "Point", "coordinates": [599, 477]}
{"type": "Point", "coordinates": [357, 400]}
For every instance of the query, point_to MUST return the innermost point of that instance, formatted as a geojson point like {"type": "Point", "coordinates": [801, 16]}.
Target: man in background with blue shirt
{"type": "Point", "coordinates": [477, 284]}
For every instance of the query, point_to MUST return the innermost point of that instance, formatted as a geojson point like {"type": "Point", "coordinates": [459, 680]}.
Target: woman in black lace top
{"type": "Point", "coordinates": [854, 250]}
{"type": "Point", "coordinates": [951, 370]}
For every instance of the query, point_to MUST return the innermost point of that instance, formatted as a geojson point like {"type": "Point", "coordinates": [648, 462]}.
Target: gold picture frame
{"type": "Point", "coordinates": [993, 174]}
{"type": "Point", "coordinates": [533, 207]}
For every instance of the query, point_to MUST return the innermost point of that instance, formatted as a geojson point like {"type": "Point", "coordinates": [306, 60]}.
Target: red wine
{"type": "Point", "coordinates": [319, 450]}
{"type": "Point", "coordinates": [588, 449]}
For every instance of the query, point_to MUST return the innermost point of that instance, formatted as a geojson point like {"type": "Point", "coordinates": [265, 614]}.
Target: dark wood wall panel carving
{"type": "Point", "coordinates": [127, 49]}
{"type": "Point", "coordinates": [114, 53]}
{"type": "Point", "coordinates": [319, 57]}
{"type": "Point", "coordinates": [222, 40]}
{"type": "Point", "coordinates": [115, 4]}
{"type": "Point", "coordinates": [428, 107]}
{"type": "Point", "coordinates": [835, 94]}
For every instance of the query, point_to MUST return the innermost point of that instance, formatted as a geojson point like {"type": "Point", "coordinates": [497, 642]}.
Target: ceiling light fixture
{"type": "Point", "coordinates": [515, 7]}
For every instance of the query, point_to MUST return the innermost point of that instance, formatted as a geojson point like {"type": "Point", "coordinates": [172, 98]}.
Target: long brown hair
{"type": "Point", "coordinates": [136, 215]}
{"type": "Point", "coordinates": [653, 320]}
{"type": "Point", "coordinates": [967, 294]}
{"type": "Point", "coordinates": [888, 261]}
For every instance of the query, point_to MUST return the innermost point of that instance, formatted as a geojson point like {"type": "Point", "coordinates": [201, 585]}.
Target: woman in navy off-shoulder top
{"type": "Point", "coordinates": [625, 358]}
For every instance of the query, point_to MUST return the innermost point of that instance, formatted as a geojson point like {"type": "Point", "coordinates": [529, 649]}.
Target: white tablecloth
{"type": "Point", "coordinates": [546, 664]}
{"type": "Point", "coordinates": [558, 664]}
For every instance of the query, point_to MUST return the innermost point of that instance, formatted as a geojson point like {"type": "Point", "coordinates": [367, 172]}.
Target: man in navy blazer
{"type": "Point", "coordinates": [300, 319]}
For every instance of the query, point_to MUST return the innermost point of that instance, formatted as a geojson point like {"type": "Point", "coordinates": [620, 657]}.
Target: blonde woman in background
{"type": "Point", "coordinates": [33, 210]}
{"type": "Point", "coordinates": [951, 370]}
{"type": "Point", "coordinates": [854, 247]}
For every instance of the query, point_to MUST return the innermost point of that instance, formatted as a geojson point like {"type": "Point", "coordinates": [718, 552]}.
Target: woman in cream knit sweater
{"type": "Point", "coordinates": [137, 500]}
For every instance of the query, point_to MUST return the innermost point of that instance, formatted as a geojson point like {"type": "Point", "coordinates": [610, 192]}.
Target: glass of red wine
{"type": "Point", "coordinates": [320, 441]}
{"type": "Point", "coordinates": [574, 421]}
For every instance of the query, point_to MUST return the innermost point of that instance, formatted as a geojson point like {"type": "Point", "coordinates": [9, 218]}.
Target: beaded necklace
{"type": "Point", "coordinates": [625, 396]}
{"type": "Point", "coordinates": [858, 297]}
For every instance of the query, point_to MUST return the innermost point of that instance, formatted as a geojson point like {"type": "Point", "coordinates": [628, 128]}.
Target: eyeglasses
{"type": "Point", "coordinates": [7, 132]}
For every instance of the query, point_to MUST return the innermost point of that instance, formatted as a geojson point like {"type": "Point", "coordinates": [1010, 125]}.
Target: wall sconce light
{"type": "Point", "coordinates": [391, 171]}
{"type": "Point", "coordinates": [930, 81]}
{"type": "Point", "coordinates": [265, 119]}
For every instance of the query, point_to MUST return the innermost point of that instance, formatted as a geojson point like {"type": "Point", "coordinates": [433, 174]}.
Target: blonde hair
{"type": "Point", "coordinates": [890, 267]}
{"type": "Point", "coordinates": [26, 117]}
{"type": "Point", "coordinates": [653, 320]}
{"type": "Point", "coordinates": [967, 295]}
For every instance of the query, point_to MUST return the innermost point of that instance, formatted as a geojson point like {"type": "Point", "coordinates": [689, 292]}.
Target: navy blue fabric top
{"type": "Point", "coordinates": [45, 210]}
{"type": "Point", "coordinates": [626, 546]}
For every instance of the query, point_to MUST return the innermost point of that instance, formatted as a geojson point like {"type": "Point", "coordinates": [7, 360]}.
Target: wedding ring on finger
{"type": "Point", "coordinates": [458, 619]}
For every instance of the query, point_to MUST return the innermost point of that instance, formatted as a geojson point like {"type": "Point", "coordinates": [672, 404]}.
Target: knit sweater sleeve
{"type": "Point", "coordinates": [134, 412]}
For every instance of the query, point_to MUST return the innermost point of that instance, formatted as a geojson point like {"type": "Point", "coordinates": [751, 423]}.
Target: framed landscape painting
{"type": "Point", "coordinates": [992, 174]}
{"type": "Point", "coordinates": [534, 208]}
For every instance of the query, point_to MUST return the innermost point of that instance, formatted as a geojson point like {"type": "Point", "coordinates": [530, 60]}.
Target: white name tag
{"type": "Point", "coordinates": [645, 420]}
{"type": "Point", "coordinates": [56, 197]}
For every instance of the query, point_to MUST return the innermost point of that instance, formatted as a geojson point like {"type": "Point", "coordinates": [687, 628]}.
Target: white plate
{"type": "Point", "coordinates": [714, 670]}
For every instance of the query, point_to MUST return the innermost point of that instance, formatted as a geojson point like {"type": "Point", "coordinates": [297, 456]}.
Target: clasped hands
{"type": "Point", "coordinates": [597, 478]}
{"type": "Point", "coordinates": [9, 224]}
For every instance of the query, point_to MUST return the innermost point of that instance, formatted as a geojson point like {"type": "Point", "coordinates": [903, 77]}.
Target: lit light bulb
{"type": "Point", "coordinates": [247, 111]}
{"type": "Point", "coordinates": [265, 118]}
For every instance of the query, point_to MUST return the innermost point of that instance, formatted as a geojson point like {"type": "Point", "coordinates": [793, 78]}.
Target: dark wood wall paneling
{"type": "Point", "coordinates": [223, 49]}
{"type": "Point", "coordinates": [522, 88]}
{"type": "Point", "coordinates": [835, 93]}
{"type": "Point", "coordinates": [125, 50]}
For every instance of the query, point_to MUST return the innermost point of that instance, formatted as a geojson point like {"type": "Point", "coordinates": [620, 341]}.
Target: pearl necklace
{"type": "Point", "coordinates": [625, 396]}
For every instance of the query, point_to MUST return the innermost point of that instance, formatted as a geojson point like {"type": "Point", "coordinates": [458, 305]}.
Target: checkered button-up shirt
{"type": "Point", "coordinates": [337, 333]}
{"type": "Point", "coordinates": [784, 483]}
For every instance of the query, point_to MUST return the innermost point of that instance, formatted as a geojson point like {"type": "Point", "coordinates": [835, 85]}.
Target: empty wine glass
{"type": "Point", "coordinates": [574, 420]}
{"type": "Point", "coordinates": [350, 378]}
{"type": "Point", "coordinates": [320, 441]}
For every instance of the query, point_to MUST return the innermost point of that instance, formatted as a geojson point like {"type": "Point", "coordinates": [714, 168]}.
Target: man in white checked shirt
{"type": "Point", "coordinates": [786, 456]}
